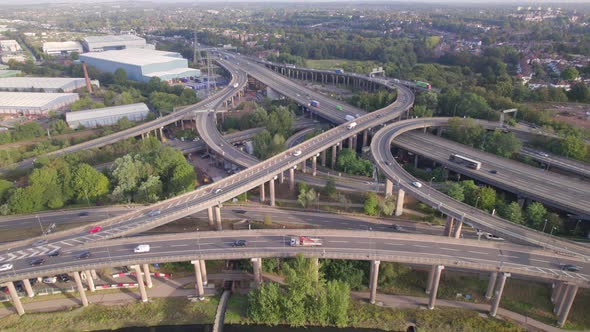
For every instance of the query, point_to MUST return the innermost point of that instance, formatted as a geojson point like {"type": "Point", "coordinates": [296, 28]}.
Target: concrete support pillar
{"type": "Point", "coordinates": [498, 293]}
{"type": "Point", "coordinates": [568, 300]}
{"type": "Point", "coordinates": [282, 177]}
{"type": "Point", "coordinates": [15, 299]}
{"type": "Point", "coordinates": [388, 188]}
{"type": "Point", "coordinates": [161, 134]}
{"type": "Point", "coordinates": [559, 297]}
{"type": "Point", "coordinates": [304, 166]}
{"type": "Point", "coordinates": [458, 226]}
{"type": "Point", "coordinates": [89, 281]}
{"type": "Point", "coordinates": [218, 217]}
{"type": "Point", "coordinates": [449, 226]}
{"type": "Point", "coordinates": [350, 143]}
{"type": "Point", "coordinates": [430, 279]}
{"type": "Point", "coordinates": [491, 285]}
{"type": "Point", "coordinates": [323, 158]}
{"type": "Point", "coordinates": [314, 165]}
{"type": "Point", "coordinates": [262, 194]}
{"type": "Point", "coordinates": [416, 161]}
{"type": "Point", "coordinates": [558, 287]}
{"type": "Point", "coordinates": [257, 267]}
{"type": "Point", "coordinates": [80, 287]}
{"type": "Point", "coordinates": [365, 138]}
{"type": "Point", "coordinates": [374, 280]}
{"type": "Point", "coordinates": [140, 283]}
{"type": "Point", "coordinates": [434, 289]}
{"type": "Point", "coordinates": [341, 145]}
{"type": "Point", "coordinates": [148, 276]}
{"type": "Point", "coordinates": [93, 273]}
{"type": "Point", "coordinates": [199, 277]}
{"type": "Point", "coordinates": [292, 179]}
{"type": "Point", "coordinates": [204, 272]}
{"type": "Point", "coordinates": [271, 189]}
{"type": "Point", "coordinates": [28, 288]}
{"type": "Point", "coordinates": [210, 216]}
{"type": "Point", "coordinates": [399, 203]}
{"type": "Point", "coordinates": [334, 148]}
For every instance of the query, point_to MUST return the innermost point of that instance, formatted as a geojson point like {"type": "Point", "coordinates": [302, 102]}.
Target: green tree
{"type": "Point", "coordinates": [579, 92]}
{"type": "Point", "coordinates": [338, 299]}
{"type": "Point", "coordinates": [535, 214]}
{"type": "Point", "coordinates": [264, 304]}
{"type": "Point", "coordinates": [570, 74]}
{"type": "Point", "coordinates": [371, 204]}
{"type": "Point", "coordinates": [60, 127]}
{"type": "Point", "coordinates": [471, 192]}
{"type": "Point", "coordinates": [306, 197]}
{"type": "Point", "coordinates": [330, 187]}
{"type": "Point", "coordinates": [150, 190]}
{"type": "Point", "coordinates": [280, 121]}
{"type": "Point", "coordinates": [514, 213]}
{"type": "Point", "coordinates": [488, 198]}
{"type": "Point", "coordinates": [120, 76]}
{"type": "Point", "coordinates": [387, 205]}
{"type": "Point", "coordinates": [502, 144]}
{"type": "Point", "coordinates": [573, 146]}
{"type": "Point", "coordinates": [88, 184]}
{"type": "Point", "coordinates": [455, 190]}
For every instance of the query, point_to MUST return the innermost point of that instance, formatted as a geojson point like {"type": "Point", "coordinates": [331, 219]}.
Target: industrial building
{"type": "Point", "coordinates": [111, 42]}
{"type": "Point", "coordinates": [42, 84]}
{"type": "Point", "coordinates": [34, 103]}
{"type": "Point", "coordinates": [9, 46]}
{"type": "Point", "coordinates": [62, 48]}
{"type": "Point", "coordinates": [106, 116]}
{"type": "Point", "coordinates": [142, 64]}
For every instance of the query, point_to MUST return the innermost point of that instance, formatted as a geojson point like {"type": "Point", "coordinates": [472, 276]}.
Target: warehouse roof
{"type": "Point", "coordinates": [50, 46]}
{"type": "Point", "coordinates": [135, 56]}
{"type": "Point", "coordinates": [30, 99]}
{"type": "Point", "coordinates": [38, 82]}
{"type": "Point", "coordinates": [111, 38]}
{"type": "Point", "coordinates": [106, 111]}
{"type": "Point", "coordinates": [175, 71]}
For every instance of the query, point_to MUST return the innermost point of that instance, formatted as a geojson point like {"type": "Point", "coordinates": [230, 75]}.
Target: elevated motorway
{"type": "Point", "coordinates": [559, 191]}
{"type": "Point", "coordinates": [396, 175]}
{"type": "Point", "coordinates": [551, 161]}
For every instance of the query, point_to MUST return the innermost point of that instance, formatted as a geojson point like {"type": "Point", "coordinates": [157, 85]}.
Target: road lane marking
{"type": "Point", "coordinates": [420, 246]}
{"type": "Point", "coordinates": [451, 249]}
{"type": "Point", "coordinates": [508, 256]}
{"type": "Point", "coordinates": [179, 245]}
{"type": "Point", "coordinates": [478, 252]}
{"type": "Point", "coordinates": [539, 260]}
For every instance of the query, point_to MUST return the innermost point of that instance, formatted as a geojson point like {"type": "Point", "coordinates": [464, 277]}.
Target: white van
{"type": "Point", "coordinates": [142, 248]}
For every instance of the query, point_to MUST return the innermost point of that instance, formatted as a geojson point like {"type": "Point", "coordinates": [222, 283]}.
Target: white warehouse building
{"type": "Point", "coordinates": [106, 116]}
{"type": "Point", "coordinates": [141, 64]}
{"type": "Point", "coordinates": [46, 84]}
{"type": "Point", "coordinates": [34, 103]}
{"type": "Point", "coordinates": [62, 48]}
{"type": "Point", "coordinates": [112, 42]}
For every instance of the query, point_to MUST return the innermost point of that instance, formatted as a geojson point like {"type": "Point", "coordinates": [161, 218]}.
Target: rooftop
{"type": "Point", "coordinates": [111, 38]}
{"type": "Point", "coordinates": [106, 111]}
{"type": "Point", "coordinates": [37, 82]}
{"type": "Point", "coordinates": [136, 56]}
{"type": "Point", "coordinates": [30, 99]}
{"type": "Point", "coordinates": [61, 45]}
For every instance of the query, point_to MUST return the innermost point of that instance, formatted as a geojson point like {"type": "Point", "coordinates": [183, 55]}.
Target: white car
{"type": "Point", "coordinates": [417, 184]}
{"type": "Point", "coordinates": [297, 153]}
{"type": "Point", "coordinates": [493, 237]}
{"type": "Point", "coordinates": [142, 248]}
{"type": "Point", "coordinates": [49, 280]}
{"type": "Point", "coordinates": [5, 267]}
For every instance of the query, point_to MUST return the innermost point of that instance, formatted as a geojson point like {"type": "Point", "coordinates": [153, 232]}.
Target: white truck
{"type": "Point", "coordinates": [304, 241]}
{"type": "Point", "coordinates": [349, 117]}
{"type": "Point", "coordinates": [236, 85]}
{"type": "Point", "coordinates": [351, 125]}
{"type": "Point", "coordinates": [142, 248]}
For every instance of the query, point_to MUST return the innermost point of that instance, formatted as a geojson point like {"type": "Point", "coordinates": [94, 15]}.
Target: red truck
{"type": "Point", "coordinates": [304, 241]}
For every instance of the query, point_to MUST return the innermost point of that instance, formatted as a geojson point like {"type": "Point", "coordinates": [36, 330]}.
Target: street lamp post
{"type": "Point", "coordinates": [544, 225]}
{"type": "Point", "coordinates": [318, 205]}
{"type": "Point", "coordinates": [477, 201]}
{"type": "Point", "coordinates": [41, 226]}
{"type": "Point", "coordinates": [552, 229]}
{"type": "Point", "coordinates": [430, 189]}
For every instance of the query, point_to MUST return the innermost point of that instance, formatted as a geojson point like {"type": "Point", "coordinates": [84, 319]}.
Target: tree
{"type": "Point", "coordinates": [573, 146]}
{"type": "Point", "coordinates": [338, 299]}
{"type": "Point", "coordinates": [120, 76]}
{"type": "Point", "coordinates": [580, 93]}
{"type": "Point", "coordinates": [471, 192]}
{"type": "Point", "coordinates": [387, 205]}
{"type": "Point", "coordinates": [75, 56]}
{"type": "Point", "coordinates": [535, 214]}
{"type": "Point", "coordinates": [502, 144]}
{"type": "Point", "coordinates": [570, 74]}
{"type": "Point", "coordinates": [487, 198]}
{"type": "Point", "coordinates": [88, 184]}
{"type": "Point", "coordinates": [150, 190]}
{"type": "Point", "coordinates": [264, 304]}
{"type": "Point", "coordinates": [280, 121]}
{"type": "Point", "coordinates": [306, 196]}
{"type": "Point", "coordinates": [330, 187]}
{"type": "Point", "coordinates": [514, 213]}
{"type": "Point", "coordinates": [455, 190]}
{"type": "Point", "coordinates": [371, 204]}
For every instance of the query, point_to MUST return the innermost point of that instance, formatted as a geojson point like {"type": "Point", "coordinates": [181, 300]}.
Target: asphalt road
{"type": "Point", "coordinates": [552, 189]}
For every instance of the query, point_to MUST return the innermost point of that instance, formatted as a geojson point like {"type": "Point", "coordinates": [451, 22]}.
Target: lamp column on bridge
{"type": "Point", "coordinates": [373, 279]}
{"type": "Point", "coordinates": [498, 293]}
{"type": "Point", "coordinates": [15, 299]}
{"type": "Point", "coordinates": [80, 287]}
{"type": "Point", "coordinates": [199, 277]}
{"type": "Point", "coordinates": [140, 283]}
{"type": "Point", "coordinates": [257, 268]}
{"type": "Point", "coordinates": [436, 271]}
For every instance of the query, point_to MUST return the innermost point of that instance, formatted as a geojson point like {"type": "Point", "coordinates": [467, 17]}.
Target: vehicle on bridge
{"type": "Point", "coordinates": [95, 229]}
{"type": "Point", "coordinates": [236, 85]}
{"type": "Point", "coordinates": [315, 103]}
{"type": "Point", "coordinates": [470, 163]}
{"type": "Point", "coordinates": [304, 241]}
{"type": "Point", "coordinates": [339, 71]}
{"type": "Point", "coordinates": [349, 117]}
{"type": "Point", "coordinates": [142, 248]}
{"type": "Point", "coordinates": [5, 267]}
{"type": "Point", "coordinates": [423, 85]}
{"type": "Point", "coordinates": [338, 107]}
{"type": "Point", "coordinates": [351, 125]}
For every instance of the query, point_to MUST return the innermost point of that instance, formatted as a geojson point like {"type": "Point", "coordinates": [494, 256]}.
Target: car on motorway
{"type": "Point", "coordinates": [396, 227]}
{"type": "Point", "coordinates": [142, 248]}
{"type": "Point", "coordinates": [39, 242]}
{"type": "Point", "coordinates": [296, 153]}
{"type": "Point", "coordinates": [63, 277]}
{"type": "Point", "coordinates": [54, 253]}
{"type": "Point", "coordinates": [542, 154]}
{"type": "Point", "coordinates": [217, 191]}
{"type": "Point", "coordinates": [417, 184]}
{"type": "Point", "coordinates": [49, 280]}
{"type": "Point", "coordinates": [153, 213]}
{"type": "Point", "coordinates": [5, 267]}
{"type": "Point", "coordinates": [83, 255]}
{"type": "Point", "coordinates": [83, 214]}
{"type": "Point", "coordinates": [37, 261]}
{"type": "Point", "coordinates": [95, 229]}
{"type": "Point", "coordinates": [388, 163]}
{"type": "Point", "coordinates": [239, 243]}
{"type": "Point", "coordinates": [570, 267]}
{"type": "Point", "coordinates": [493, 171]}
{"type": "Point", "coordinates": [493, 237]}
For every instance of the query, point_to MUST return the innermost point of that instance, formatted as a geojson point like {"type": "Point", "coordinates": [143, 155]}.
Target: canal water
{"type": "Point", "coordinates": [237, 328]}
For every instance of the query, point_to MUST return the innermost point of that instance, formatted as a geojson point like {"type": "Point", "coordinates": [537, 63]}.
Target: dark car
{"type": "Point", "coordinates": [83, 255]}
{"type": "Point", "coordinates": [54, 252]}
{"type": "Point", "coordinates": [39, 242]}
{"type": "Point", "coordinates": [63, 277]}
{"type": "Point", "coordinates": [239, 243]}
{"type": "Point", "coordinates": [494, 171]}
{"type": "Point", "coordinates": [570, 267]}
{"type": "Point", "coordinates": [396, 228]}
{"type": "Point", "coordinates": [37, 261]}
{"type": "Point", "coordinates": [83, 214]}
